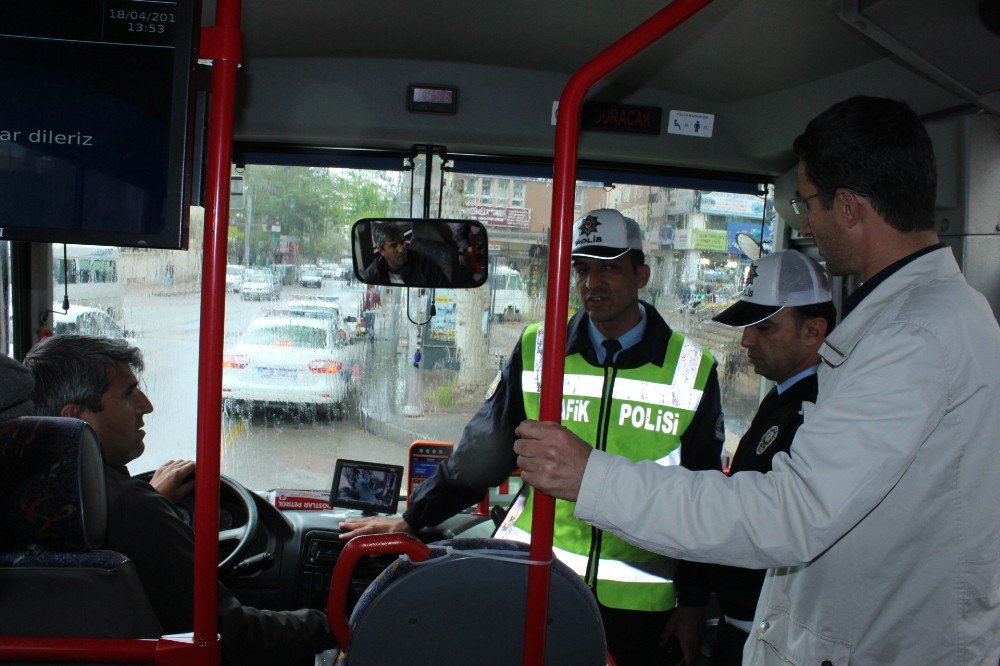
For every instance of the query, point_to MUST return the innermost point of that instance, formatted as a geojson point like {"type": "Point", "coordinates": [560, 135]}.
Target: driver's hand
{"type": "Point", "coordinates": [372, 525]}
{"type": "Point", "coordinates": [172, 479]}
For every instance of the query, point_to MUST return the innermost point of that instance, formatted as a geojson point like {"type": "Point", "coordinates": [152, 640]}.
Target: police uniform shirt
{"type": "Point", "coordinates": [485, 456]}
{"type": "Point", "coordinates": [771, 432]}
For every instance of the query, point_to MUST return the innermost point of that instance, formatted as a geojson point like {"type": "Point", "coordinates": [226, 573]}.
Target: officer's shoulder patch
{"type": "Point", "coordinates": [493, 386]}
{"type": "Point", "coordinates": [769, 436]}
{"type": "Point", "coordinates": [720, 428]}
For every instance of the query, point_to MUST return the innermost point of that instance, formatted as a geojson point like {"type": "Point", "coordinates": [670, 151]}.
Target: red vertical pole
{"type": "Point", "coordinates": [222, 44]}
{"type": "Point", "coordinates": [567, 131]}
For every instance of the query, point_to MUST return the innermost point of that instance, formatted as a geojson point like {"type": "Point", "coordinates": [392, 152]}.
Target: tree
{"type": "Point", "coordinates": [310, 204]}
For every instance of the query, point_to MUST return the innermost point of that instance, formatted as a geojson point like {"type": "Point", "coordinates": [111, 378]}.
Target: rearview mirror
{"type": "Point", "coordinates": [416, 252]}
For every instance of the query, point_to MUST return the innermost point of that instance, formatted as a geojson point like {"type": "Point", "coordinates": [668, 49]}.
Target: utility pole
{"type": "Point", "coordinates": [246, 234]}
{"type": "Point", "coordinates": [412, 361]}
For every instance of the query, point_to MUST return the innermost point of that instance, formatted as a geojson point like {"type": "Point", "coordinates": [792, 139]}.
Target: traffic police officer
{"type": "Point", "coordinates": [633, 387]}
{"type": "Point", "coordinates": [786, 311]}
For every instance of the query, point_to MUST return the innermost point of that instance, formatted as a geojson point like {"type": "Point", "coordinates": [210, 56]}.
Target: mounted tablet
{"type": "Point", "coordinates": [372, 488]}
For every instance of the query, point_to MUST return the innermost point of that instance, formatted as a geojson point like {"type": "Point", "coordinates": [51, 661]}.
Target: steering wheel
{"type": "Point", "coordinates": [242, 535]}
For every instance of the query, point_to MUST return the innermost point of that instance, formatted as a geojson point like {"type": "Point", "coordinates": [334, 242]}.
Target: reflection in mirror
{"type": "Point", "coordinates": [416, 252]}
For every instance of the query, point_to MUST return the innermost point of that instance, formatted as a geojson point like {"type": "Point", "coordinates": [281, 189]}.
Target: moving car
{"type": "Point", "coordinates": [260, 284]}
{"type": "Point", "coordinates": [286, 361]}
{"type": "Point", "coordinates": [324, 308]}
{"type": "Point", "coordinates": [311, 276]}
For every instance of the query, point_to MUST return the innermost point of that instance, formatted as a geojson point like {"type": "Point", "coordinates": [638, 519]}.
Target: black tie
{"type": "Point", "coordinates": [771, 395]}
{"type": "Point", "coordinates": [611, 347]}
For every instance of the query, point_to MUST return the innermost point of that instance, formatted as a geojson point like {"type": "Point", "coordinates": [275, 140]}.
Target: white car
{"type": "Point", "coordinates": [260, 284]}
{"type": "Point", "coordinates": [86, 320]}
{"type": "Point", "coordinates": [284, 361]}
{"type": "Point", "coordinates": [234, 278]}
{"type": "Point", "coordinates": [311, 276]}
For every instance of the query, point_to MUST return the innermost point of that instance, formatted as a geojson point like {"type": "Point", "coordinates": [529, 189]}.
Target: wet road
{"type": "Point", "coordinates": [266, 451]}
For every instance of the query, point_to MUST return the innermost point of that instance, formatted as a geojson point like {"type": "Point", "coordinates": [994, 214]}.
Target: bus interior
{"type": "Point", "coordinates": [449, 110]}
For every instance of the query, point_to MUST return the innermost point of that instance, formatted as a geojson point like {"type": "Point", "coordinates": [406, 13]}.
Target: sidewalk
{"type": "Point", "coordinates": [438, 426]}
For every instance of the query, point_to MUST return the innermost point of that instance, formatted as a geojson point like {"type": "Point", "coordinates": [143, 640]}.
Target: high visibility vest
{"type": "Point", "coordinates": [638, 413]}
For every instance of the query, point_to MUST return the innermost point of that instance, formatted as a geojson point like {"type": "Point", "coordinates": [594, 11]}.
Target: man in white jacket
{"type": "Point", "coordinates": [880, 529]}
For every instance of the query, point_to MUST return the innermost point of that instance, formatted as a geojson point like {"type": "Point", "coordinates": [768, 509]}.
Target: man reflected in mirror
{"type": "Point", "coordinates": [397, 263]}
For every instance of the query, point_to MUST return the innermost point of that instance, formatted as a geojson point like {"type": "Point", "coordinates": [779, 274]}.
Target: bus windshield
{"type": "Point", "coordinates": [689, 240]}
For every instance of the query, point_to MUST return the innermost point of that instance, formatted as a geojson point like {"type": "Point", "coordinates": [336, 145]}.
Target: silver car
{"type": "Point", "coordinates": [260, 284]}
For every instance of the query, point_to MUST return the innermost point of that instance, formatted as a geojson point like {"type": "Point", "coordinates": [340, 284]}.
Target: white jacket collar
{"type": "Point", "coordinates": [933, 265]}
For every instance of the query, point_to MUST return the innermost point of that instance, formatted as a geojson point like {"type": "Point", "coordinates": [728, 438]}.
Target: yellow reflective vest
{"type": "Point", "coordinates": [638, 413]}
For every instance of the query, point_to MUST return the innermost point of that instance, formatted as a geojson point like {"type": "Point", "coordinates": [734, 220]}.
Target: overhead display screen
{"type": "Point", "coordinates": [96, 120]}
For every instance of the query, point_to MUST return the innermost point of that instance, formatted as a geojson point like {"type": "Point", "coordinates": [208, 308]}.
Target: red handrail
{"type": "Point", "coordinates": [560, 237]}
{"type": "Point", "coordinates": [356, 548]}
{"type": "Point", "coordinates": [223, 43]}
{"type": "Point", "coordinates": [168, 651]}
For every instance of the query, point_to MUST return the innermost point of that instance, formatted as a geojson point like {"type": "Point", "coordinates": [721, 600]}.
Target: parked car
{"type": "Point", "coordinates": [284, 361]}
{"type": "Point", "coordinates": [260, 284]}
{"type": "Point", "coordinates": [311, 276]}
{"type": "Point", "coordinates": [234, 278]}
{"type": "Point", "coordinates": [287, 273]}
{"type": "Point", "coordinates": [86, 320]}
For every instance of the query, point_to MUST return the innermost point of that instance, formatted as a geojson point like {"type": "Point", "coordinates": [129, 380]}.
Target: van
{"type": "Point", "coordinates": [90, 275]}
{"type": "Point", "coordinates": [508, 297]}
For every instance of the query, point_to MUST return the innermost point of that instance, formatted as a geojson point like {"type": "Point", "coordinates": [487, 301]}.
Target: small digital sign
{"type": "Point", "coordinates": [431, 98]}
{"type": "Point", "coordinates": [626, 118]}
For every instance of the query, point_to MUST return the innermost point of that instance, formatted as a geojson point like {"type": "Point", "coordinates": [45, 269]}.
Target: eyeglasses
{"type": "Point", "coordinates": [801, 204]}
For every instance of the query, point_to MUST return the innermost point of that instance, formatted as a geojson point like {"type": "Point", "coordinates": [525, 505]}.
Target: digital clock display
{"type": "Point", "coordinates": [434, 95]}
{"type": "Point", "coordinates": [431, 99]}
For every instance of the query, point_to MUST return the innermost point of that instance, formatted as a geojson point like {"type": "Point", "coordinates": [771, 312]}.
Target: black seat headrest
{"type": "Point", "coordinates": [54, 494]}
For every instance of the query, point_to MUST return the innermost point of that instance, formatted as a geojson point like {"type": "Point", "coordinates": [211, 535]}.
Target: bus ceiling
{"type": "Point", "coordinates": [758, 68]}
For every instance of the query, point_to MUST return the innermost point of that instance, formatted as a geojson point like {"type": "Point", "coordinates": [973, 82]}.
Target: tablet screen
{"type": "Point", "coordinates": [371, 487]}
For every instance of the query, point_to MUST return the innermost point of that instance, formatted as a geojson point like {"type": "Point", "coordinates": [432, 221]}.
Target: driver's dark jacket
{"type": "Point", "coordinates": [419, 269]}
{"type": "Point", "coordinates": [485, 455]}
{"type": "Point", "coordinates": [144, 526]}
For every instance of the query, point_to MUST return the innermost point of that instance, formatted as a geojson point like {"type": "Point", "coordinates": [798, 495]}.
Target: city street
{"type": "Point", "coordinates": [272, 450]}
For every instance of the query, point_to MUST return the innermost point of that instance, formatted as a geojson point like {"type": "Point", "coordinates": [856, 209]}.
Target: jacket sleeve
{"type": "Point", "coordinates": [852, 448]}
{"type": "Point", "coordinates": [701, 448]}
{"type": "Point", "coordinates": [252, 636]}
{"type": "Point", "coordinates": [483, 458]}
{"type": "Point", "coordinates": [162, 547]}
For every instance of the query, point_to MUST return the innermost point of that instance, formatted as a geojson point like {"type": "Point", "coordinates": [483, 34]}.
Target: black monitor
{"type": "Point", "coordinates": [96, 121]}
{"type": "Point", "coordinates": [372, 488]}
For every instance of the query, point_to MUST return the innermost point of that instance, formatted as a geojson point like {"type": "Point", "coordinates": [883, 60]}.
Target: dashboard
{"type": "Point", "coordinates": [295, 552]}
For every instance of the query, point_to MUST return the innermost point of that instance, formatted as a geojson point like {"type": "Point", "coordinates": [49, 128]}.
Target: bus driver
{"type": "Point", "coordinates": [93, 379]}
